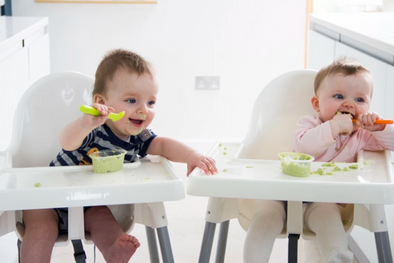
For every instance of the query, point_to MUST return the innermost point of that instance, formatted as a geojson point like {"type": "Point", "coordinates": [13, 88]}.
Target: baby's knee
{"type": "Point", "coordinates": [340, 256]}
{"type": "Point", "coordinates": [270, 209]}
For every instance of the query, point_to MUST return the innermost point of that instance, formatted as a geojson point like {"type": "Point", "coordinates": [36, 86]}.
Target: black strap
{"type": "Point", "coordinates": [79, 253]}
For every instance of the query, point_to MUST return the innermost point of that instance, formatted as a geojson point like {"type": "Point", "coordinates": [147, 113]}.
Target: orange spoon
{"type": "Point", "coordinates": [379, 121]}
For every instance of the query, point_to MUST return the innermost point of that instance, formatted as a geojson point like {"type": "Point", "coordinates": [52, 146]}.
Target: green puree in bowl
{"type": "Point", "coordinates": [296, 164]}
{"type": "Point", "coordinates": [107, 161]}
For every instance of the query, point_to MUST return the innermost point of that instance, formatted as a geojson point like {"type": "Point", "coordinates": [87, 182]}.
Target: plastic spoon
{"type": "Point", "coordinates": [379, 121]}
{"type": "Point", "coordinates": [92, 111]}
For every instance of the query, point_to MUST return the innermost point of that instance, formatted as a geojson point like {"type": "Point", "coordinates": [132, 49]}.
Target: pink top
{"type": "Point", "coordinates": [313, 137]}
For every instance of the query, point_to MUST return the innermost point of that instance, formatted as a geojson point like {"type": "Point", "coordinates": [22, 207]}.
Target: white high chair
{"type": "Point", "coordinates": [134, 195]}
{"type": "Point", "coordinates": [250, 170]}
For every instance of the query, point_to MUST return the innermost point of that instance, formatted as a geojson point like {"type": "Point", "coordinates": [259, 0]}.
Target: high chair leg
{"type": "Point", "coordinates": [207, 240]}
{"type": "Point", "coordinates": [152, 244]}
{"type": "Point", "coordinates": [165, 245]}
{"type": "Point", "coordinates": [383, 247]}
{"type": "Point", "coordinates": [19, 243]}
{"type": "Point", "coordinates": [293, 248]}
{"type": "Point", "coordinates": [222, 241]}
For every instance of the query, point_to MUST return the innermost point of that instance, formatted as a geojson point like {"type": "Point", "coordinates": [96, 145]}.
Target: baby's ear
{"type": "Point", "coordinates": [315, 103]}
{"type": "Point", "coordinates": [98, 98]}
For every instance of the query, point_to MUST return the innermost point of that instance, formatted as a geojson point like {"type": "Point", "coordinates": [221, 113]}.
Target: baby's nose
{"type": "Point", "coordinates": [348, 103]}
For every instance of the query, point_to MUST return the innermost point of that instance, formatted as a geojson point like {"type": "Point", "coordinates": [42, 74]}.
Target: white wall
{"type": "Point", "coordinates": [245, 42]}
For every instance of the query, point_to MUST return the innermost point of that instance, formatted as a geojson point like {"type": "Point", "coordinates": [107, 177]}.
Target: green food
{"type": "Point", "coordinates": [224, 153]}
{"type": "Point", "coordinates": [329, 173]}
{"type": "Point", "coordinates": [107, 161]}
{"type": "Point", "coordinates": [331, 164]}
{"type": "Point", "coordinates": [353, 166]}
{"type": "Point", "coordinates": [336, 169]}
{"type": "Point", "coordinates": [224, 170]}
{"type": "Point", "coordinates": [320, 171]}
{"type": "Point", "coordinates": [296, 164]}
{"type": "Point", "coordinates": [345, 169]}
{"type": "Point", "coordinates": [37, 185]}
{"type": "Point", "coordinates": [220, 145]}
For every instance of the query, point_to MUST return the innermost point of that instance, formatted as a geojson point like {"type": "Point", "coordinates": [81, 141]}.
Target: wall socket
{"type": "Point", "coordinates": [207, 83]}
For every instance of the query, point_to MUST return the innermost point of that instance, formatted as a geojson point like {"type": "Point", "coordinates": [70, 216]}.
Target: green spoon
{"type": "Point", "coordinates": [92, 111]}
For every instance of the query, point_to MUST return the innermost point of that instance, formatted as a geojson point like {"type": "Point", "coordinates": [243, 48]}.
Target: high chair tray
{"type": "Point", "coordinates": [75, 186]}
{"type": "Point", "coordinates": [371, 183]}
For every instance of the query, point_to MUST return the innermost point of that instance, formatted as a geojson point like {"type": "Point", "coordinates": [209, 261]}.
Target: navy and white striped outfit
{"type": "Point", "coordinates": [102, 138]}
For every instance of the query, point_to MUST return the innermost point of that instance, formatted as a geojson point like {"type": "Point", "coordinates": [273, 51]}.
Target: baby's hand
{"type": "Point", "coordinates": [91, 121]}
{"type": "Point", "coordinates": [367, 122]}
{"type": "Point", "coordinates": [205, 163]}
{"type": "Point", "coordinates": [343, 123]}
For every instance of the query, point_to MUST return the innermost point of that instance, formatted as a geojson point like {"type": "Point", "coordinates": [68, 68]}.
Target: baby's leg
{"type": "Point", "coordinates": [115, 245]}
{"type": "Point", "coordinates": [325, 220]}
{"type": "Point", "coordinates": [267, 223]}
{"type": "Point", "coordinates": [41, 232]}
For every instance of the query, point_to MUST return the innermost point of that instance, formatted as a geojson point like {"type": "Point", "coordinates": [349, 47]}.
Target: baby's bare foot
{"type": "Point", "coordinates": [123, 249]}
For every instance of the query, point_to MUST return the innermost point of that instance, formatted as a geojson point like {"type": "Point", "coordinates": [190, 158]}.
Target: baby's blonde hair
{"type": "Point", "coordinates": [342, 66]}
{"type": "Point", "coordinates": [114, 60]}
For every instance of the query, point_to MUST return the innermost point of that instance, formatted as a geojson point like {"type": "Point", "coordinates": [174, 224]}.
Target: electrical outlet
{"type": "Point", "coordinates": [207, 83]}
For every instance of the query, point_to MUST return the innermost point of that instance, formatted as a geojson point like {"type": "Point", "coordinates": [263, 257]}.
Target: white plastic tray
{"type": "Point", "coordinates": [372, 183]}
{"type": "Point", "coordinates": [152, 180]}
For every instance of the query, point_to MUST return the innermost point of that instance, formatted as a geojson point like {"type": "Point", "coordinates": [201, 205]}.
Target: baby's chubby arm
{"type": "Point", "coordinates": [75, 132]}
{"type": "Point", "coordinates": [178, 152]}
{"type": "Point", "coordinates": [312, 136]}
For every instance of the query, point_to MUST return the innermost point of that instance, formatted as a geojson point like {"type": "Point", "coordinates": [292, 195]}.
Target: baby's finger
{"type": "Point", "coordinates": [208, 163]}
{"type": "Point", "coordinates": [101, 108]}
{"type": "Point", "coordinates": [212, 165]}
{"type": "Point", "coordinates": [205, 167]}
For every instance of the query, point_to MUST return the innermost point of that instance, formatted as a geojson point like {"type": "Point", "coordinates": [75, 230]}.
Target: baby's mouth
{"type": "Point", "coordinates": [137, 122]}
{"type": "Point", "coordinates": [345, 112]}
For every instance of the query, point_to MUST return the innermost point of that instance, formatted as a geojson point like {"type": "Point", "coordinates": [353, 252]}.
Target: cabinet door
{"type": "Point", "coordinates": [320, 51]}
{"type": "Point", "coordinates": [378, 70]}
{"type": "Point", "coordinates": [14, 80]}
{"type": "Point", "coordinates": [390, 93]}
{"type": "Point", "coordinates": [39, 58]}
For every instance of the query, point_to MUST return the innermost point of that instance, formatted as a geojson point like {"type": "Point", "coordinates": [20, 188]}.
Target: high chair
{"type": "Point", "coordinates": [134, 194]}
{"type": "Point", "coordinates": [251, 170]}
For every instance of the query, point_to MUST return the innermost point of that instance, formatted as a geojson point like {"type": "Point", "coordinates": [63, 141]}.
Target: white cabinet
{"type": "Point", "coordinates": [378, 70]}
{"type": "Point", "coordinates": [321, 50]}
{"type": "Point", "coordinates": [24, 58]}
{"type": "Point", "coordinates": [390, 92]}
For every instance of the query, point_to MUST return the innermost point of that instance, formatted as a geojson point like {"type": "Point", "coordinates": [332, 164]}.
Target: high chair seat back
{"type": "Point", "coordinates": [275, 113]}
{"type": "Point", "coordinates": [46, 107]}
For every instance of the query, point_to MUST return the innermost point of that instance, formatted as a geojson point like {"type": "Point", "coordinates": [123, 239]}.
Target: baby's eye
{"type": "Point", "coordinates": [131, 101]}
{"type": "Point", "coordinates": [360, 100]}
{"type": "Point", "coordinates": [338, 96]}
{"type": "Point", "coordinates": [151, 103]}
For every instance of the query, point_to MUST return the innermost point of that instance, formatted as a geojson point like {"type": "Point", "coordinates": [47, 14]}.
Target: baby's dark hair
{"type": "Point", "coordinates": [114, 60]}
{"type": "Point", "coordinates": [342, 66]}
